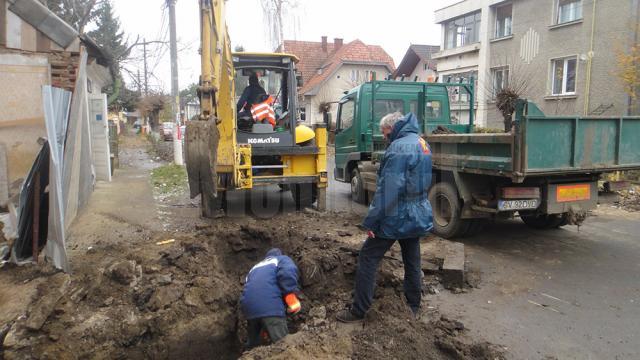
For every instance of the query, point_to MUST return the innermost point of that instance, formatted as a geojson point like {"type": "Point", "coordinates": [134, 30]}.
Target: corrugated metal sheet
{"type": "Point", "coordinates": [41, 18]}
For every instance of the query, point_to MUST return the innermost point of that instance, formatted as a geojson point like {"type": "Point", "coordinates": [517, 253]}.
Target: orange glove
{"type": "Point", "coordinates": [293, 304]}
{"type": "Point", "coordinates": [264, 335]}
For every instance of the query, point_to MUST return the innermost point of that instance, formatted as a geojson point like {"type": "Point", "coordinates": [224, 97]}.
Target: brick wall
{"type": "Point", "coordinates": [64, 67]}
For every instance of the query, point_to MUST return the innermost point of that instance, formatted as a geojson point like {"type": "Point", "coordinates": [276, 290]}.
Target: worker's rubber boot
{"type": "Point", "coordinates": [416, 313]}
{"type": "Point", "coordinates": [346, 316]}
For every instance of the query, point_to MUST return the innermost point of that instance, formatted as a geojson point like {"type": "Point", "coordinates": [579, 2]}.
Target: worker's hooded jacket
{"type": "Point", "coordinates": [266, 285]}
{"type": "Point", "coordinates": [400, 208]}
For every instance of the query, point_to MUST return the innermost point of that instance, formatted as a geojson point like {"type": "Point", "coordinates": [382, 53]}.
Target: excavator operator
{"type": "Point", "coordinates": [251, 95]}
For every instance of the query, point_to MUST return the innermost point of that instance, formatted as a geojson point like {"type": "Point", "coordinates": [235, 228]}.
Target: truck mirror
{"type": "Point", "coordinates": [299, 80]}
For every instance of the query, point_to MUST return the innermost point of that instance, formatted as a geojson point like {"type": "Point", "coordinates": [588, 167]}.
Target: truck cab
{"type": "Point", "coordinates": [358, 136]}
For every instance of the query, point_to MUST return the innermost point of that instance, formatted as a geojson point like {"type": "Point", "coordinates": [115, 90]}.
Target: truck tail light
{"type": "Point", "coordinates": [521, 193]}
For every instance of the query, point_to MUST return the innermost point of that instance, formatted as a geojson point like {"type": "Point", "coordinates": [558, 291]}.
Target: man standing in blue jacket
{"type": "Point", "coordinates": [269, 294]}
{"type": "Point", "coordinates": [399, 212]}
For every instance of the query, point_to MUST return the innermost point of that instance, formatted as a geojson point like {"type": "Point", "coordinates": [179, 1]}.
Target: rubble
{"type": "Point", "coordinates": [125, 272]}
{"type": "Point", "coordinates": [43, 307]}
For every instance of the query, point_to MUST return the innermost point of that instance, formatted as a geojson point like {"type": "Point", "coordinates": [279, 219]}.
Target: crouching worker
{"type": "Point", "coordinates": [269, 294]}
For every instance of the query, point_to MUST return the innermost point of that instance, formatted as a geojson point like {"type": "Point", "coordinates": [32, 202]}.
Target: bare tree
{"type": "Point", "coordinates": [507, 84]}
{"type": "Point", "coordinates": [274, 12]}
{"type": "Point", "coordinates": [77, 13]}
{"type": "Point", "coordinates": [151, 106]}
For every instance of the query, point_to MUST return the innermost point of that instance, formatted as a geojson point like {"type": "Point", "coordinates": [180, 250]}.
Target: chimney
{"type": "Point", "coordinates": [324, 43]}
{"type": "Point", "coordinates": [337, 44]}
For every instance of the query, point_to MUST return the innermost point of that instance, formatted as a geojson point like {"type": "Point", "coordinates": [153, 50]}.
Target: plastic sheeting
{"type": "Point", "coordinates": [56, 113]}
{"type": "Point", "coordinates": [36, 182]}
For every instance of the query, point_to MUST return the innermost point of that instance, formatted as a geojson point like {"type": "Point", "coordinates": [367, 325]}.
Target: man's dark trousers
{"type": "Point", "coordinates": [276, 327]}
{"type": "Point", "coordinates": [371, 253]}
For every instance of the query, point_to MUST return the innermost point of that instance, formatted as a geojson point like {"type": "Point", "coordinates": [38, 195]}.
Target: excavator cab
{"type": "Point", "coordinates": [277, 77]}
{"type": "Point", "coordinates": [230, 150]}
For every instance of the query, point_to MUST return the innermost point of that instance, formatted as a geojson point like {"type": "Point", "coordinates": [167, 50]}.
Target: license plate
{"type": "Point", "coordinates": [566, 193]}
{"type": "Point", "coordinates": [518, 204]}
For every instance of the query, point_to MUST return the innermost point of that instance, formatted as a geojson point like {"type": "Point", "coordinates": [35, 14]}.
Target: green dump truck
{"type": "Point", "coordinates": [546, 169]}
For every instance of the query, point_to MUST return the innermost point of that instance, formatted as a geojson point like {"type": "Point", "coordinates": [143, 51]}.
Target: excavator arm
{"type": "Point", "coordinates": [210, 142]}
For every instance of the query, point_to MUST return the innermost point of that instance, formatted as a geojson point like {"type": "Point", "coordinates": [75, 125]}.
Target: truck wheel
{"type": "Point", "coordinates": [304, 195]}
{"type": "Point", "coordinates": [358, 194]}
{"type": "Point", "coordinates": [212, 206]}
{"type": "Point", "coordinates": [446, 211]}
{"type": "Point", "coordinates": [544, 221]}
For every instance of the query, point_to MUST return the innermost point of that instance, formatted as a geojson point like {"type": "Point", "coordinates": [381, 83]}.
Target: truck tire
{"type": "Point", "coordinates": [445, 202]}
{"type": "Point", "coordinates": [544, 221]}
{"type": "Point", "coordinates": [304, 195]}
{"type": "Point", "coordinates": [358, 193]}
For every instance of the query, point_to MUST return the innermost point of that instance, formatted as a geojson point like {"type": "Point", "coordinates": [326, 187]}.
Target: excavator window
{"type": "Point", "coordinates": [272, 87]}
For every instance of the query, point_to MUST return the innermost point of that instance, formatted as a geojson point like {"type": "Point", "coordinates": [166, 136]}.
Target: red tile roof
{"type": "Point", "coordinates": [312, 58]}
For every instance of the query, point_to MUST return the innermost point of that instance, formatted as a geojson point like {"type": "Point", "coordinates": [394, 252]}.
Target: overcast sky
{"type": "Point", "coordinates": [394, 27]}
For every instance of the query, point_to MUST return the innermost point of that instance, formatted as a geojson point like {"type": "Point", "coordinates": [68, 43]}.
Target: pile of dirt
{"type": "Point", "coordinates": [180, 300]}
{"type": "Point", "coordinates": [630, 199]}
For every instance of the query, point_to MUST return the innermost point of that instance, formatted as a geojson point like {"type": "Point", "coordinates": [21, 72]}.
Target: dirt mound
{"type": "Point", "coordinates": [630, 199]}
{"type": "Point", "coordinates": [181, 300]}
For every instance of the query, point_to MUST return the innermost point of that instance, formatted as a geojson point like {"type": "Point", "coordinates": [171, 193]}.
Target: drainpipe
{"type": "Point", "coordinates": [587, 88]}
{"type": "Point", "coordinates": [636, 25]}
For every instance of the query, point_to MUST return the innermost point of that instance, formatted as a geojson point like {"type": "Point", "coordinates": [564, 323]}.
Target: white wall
{"type": "Point", "coordinates": [334, 87]}
{"type": "Point", "coordinates": [470, 57]}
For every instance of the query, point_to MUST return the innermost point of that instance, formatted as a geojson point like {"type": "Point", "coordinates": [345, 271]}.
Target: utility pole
{"type": "Point", "coordinates": [175, 90]}
{"type": "Point", "coordinates": [145, 85]}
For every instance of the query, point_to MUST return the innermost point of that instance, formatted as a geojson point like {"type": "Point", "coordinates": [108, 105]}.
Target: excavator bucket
{"type": "Point", "coordinates": [201, 148]}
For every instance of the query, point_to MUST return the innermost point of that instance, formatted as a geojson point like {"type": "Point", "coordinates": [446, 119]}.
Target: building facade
{"type": "Point", "coordinates": [561, 54]}
{"type": "Point", "coordinates": [37, 48]}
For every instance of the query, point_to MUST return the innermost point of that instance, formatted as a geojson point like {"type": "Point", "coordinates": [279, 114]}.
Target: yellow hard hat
{"type": "Point", "coordinates": [304, 134]}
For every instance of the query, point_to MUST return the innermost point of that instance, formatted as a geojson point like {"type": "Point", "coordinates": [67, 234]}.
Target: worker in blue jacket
{"type": "Point", "coordinates": [400, 211]}
{"type": "Point", "coordinates": [270, 292]}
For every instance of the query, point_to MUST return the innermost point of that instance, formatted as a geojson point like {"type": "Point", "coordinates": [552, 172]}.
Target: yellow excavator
{"type": "Point", "coordinates": [226, 150]}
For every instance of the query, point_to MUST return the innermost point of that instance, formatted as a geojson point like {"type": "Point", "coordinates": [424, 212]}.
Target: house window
{"type": "Point", "coordinates": [433, 109]}
{"type": "Point", "coordinates": [568, 10]}
{"type": "Point", "coordinates": [503, 21]}
{"type": "Point", "coordinates": [462, 31]}
{"type": "Point", "coordinates": [457, 94]}
{"type": "Point", "coordinates": [563, 77]}
{"type": "Point", "coordinates": [500, 78]}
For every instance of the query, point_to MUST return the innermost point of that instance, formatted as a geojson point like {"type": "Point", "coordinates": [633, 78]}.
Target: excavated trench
{"type": "Point", "coordinates": [181, 301]}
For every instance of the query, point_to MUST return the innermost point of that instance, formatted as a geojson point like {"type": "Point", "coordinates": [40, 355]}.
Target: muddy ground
{"type": "Point", "coordinates": [152, 280]}
{"type": "Point", "coordinates": [181, 300]}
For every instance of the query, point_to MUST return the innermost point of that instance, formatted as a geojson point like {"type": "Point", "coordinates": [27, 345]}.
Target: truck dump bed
{"type": "Point", "coordinates": [543, 145]}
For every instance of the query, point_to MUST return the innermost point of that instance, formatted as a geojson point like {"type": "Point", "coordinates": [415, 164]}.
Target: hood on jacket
{"type": "Point", "coordinates": [406, 125]}
{"type": "Point", "coordinates": [273, 252]}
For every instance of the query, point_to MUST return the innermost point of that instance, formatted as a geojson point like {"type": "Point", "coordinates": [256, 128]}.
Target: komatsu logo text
{"type": "Point", "coordinates": [269, 140]}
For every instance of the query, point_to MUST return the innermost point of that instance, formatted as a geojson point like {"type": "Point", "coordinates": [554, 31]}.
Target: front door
{"type": "Point", "coordinates": [100, 136]}
{"type": "Point", "coordinates": [346, 142]}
